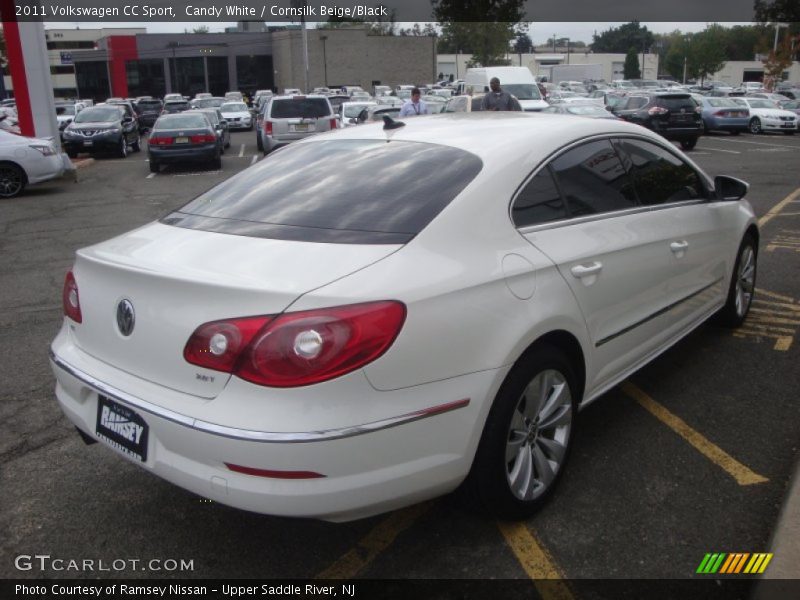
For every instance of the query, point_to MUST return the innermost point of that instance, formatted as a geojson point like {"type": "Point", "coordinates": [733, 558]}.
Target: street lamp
{"type": "Point", "coordinates": [323, 39]}
{"type": "Point", "coordinates": [777, 29]}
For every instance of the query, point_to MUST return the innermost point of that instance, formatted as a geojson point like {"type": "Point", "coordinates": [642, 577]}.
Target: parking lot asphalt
{"type": "Point", "coordinates": [693, 455]}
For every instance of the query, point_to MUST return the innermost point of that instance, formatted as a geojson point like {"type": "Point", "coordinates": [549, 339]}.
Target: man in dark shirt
{"type": "Point", "coordinates": [497, 99]}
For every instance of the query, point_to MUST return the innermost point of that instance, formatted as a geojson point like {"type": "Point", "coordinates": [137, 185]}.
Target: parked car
{"type": "Point", "coordinates": [221, 126]}
{"type": "Point", "coordinates": [234, 97]}
{"type": "Point", "coordinates": [149, 111]}
{"type": "Point", "coordinates": [674, 115]}
{"type": "Point", "coordinates": [350, 112]}
{"type": "Point", "coordinates": [104, 128]}
{"type": "Point", "coordinates": [304, 340]}
{"type": "Point", "coordinates": [723, 114]}
{"type": "Point", "coordinates": [237, 115]}
{"type": "Point", "coordinates": [129, 110]}
{"type": "Point", "coordinates": [290, 118]}
{"type": "Point", "coordinates": [187, 137]}
{"type": "Point", "coordinates": [171, 97]}
{"type": "Point", "coordinates": [201, 95]}
{"type": "Point", "coordinates": [581, 109]}
{"type": "Point", "coordinates": [792, 105]}
{"type": "Point", "coordinates": [176, 106]}
{"type": "Point", "coordinates": [778, 99]}
{"type": "Point", "coordinates": [464, 104]}
{"type": "Point", "coordinates": [213, 102]}
{"type": "Point", "coordinates": [65, 113]}
{"type": "Point", "coordinates": [765, 115]}
{"type": "Point", "coordinates": [27, 161]}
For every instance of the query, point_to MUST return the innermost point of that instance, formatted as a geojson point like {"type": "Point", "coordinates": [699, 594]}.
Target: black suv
{"type": "Point", "coordinates": [674, 115]}
{"type": "Point", "coordinates": [149, 110]}
{"type": "Point", "coordinates": [101, 128]}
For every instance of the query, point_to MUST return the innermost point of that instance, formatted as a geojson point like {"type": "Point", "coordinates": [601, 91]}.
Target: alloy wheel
{"type": "Point", "coordinates": [538, 435]}
{"type": "Point", "coordinates": [745, 280]}
{"type": "Point", "coordinates": [11, 181]}
{"type": "Point", "coordinates": [755, 126]}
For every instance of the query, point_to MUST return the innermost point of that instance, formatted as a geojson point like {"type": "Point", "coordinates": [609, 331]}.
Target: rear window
{"type": "Point", "coordinates": [181, 121]}
{"type": "Point", "coordinates": [307, 108]}
{"type": "Point", "coordinates": [336, 191]}
{"type": "Point", "coordinates": [149, 104]}
{"type": "Point", "coordinates": [676, 102]}
{"type": "Point", "coordinates": [722, 103]}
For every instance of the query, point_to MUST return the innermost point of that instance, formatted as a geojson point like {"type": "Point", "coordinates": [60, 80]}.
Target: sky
{"type": "Point", "coordinates": [539, 32]}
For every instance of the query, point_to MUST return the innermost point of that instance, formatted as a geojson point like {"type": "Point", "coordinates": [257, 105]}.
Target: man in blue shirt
{"type": "Point", "coordinates": [415, 106]}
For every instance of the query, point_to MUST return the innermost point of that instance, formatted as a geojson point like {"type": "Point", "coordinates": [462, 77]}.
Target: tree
{"type": "Point", "coordinates": [416, 31]}
{"type": "Point", "coordinates": [623, 38]}
{"type": "Point", "coordinates": [523, 44]}
{"type": "Point", "coordinates": [482, 28]}
{"type": "Point", "coordinates": [631, 67]}
{"type": "Point", "coordinates": [200, 29]}
{"type": "Point", "coordinates": [707, 51]}
{"type": "Point", "coordinates": [777, 11]}
{"type": "Point", "coordinates": [776, 63]}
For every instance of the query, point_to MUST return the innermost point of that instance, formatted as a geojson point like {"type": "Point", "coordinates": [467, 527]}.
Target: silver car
{"type": "Point", "coordinates": [290, 118]}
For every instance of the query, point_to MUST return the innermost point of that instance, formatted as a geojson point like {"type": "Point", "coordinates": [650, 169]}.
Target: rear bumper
{"type": "Point", "coordinates": [367, 467]}
{"type": "Point", "coordinates": [203, 153]}
{"type": "Point", "coordinates": [728, 124]}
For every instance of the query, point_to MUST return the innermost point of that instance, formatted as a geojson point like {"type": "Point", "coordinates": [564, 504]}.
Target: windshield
{"type": "Point", "coordinates": [586, 109]}
{"type": "Point", "coordinates": [174, 106]}
{"type": "Point", "coordinates": [98, 115]}
{"type": "Point", "coordinates": [308, 108]}
{"type": "Point", "coordinates": [353, 110]}
{"type": "Point", "coordinates": [523, 91]}
{"type": "Point", "coordinates": [306, 192]}
{"type": "Point", "coordinates": [181, 121]}
{"type": "Point", "coordinates": [759, 103]}
{"type": "Point", "coordinates": [233, 107]}
{"type": "Point", "coordinates": [65, 110]}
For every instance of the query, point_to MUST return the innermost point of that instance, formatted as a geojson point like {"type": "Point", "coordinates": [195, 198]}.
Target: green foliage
{"type": "Point", "coordinates": [483, 28]}
{"type": "Point", "coordinates": [631, 67]}
{"type": "Point", "coordinates": [200, 29]}
{"type": "Point", "coordinates": [621, 39]}
{"type": "Point", "coordinates": [707, 51]}
{"type": "Point", "coordinates": [777, 11]}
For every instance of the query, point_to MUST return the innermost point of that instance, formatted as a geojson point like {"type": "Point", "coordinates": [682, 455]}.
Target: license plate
{"type": "Point", "coordinates": [788, 125]}
{"type": "Point", "coordinates": [87, 142]}
{"type": "Point", "coordinates": [121, 428]}
{"type": "Point", "coordinates": [300, 127]}
{"type": "Point", "coordinates": [181, 140]}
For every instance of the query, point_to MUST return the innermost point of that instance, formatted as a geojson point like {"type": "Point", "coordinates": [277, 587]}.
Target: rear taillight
{"type": "Point", "coordinates": [301, 348]}
{"type": "Point", "coordinates": [203, 139]}
{"type": "Point", "coordinates": [698, 110]}
{"type": "Point", "coordinates": [657, 110]}
{"type": "Point", "coordinates": [70, 299]}
{"type": "Point", "coordinates": [268, 127]}
{"type": "Point", "coordinates": [160, 141]}
{"type": "Point", "coordinates": [333, 123]}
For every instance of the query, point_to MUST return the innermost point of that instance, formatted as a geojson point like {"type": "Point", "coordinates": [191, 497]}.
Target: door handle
{"type": "Point", "coordinates": [677, 247]}
{"type": "Point", "coordinates": [581, 271]}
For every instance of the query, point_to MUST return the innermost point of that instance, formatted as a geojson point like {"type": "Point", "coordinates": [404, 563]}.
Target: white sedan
{"type": "Point", "coordinates": [237, 115]}
{"type": "Point", "coordinates": [765, 115]}
{"type": "Point", "coordinates": [414, 313]}
{"type": "Point", "coordinates": [26, 160]}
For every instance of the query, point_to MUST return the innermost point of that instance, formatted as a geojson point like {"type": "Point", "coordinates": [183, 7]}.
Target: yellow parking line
{"type": "Point", "coordinates": [742, 474]}
{"type": "Point", "coordinates": [788, 299]}
{"type": "Point", "coordinates": [376, 541]}
{"type": "Point", "coordinates": [775, 210]}
{"type": "Point", "coordinates": [536, 561]}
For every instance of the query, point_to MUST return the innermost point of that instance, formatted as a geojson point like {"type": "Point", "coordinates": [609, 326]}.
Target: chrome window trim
{"type": "Point", "coordinates": [249, 435]}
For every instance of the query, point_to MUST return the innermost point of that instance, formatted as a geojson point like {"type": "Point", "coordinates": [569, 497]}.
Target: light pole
{"type": "Point", "coordinates": [777, 29]}
{"type": "Point", "coordinates": [323, 39]}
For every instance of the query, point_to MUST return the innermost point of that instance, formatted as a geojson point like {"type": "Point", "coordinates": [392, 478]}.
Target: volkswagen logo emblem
{"type": "Point", "coordinates": [126, 318]}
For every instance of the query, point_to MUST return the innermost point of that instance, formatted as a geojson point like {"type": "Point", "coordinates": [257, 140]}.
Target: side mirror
{"type": "Point", "coordinates": [223, 123]}
{"type": "Point", "coordinates": [127, 120]}
{"type": "Point", "coordinates": [730, 188]}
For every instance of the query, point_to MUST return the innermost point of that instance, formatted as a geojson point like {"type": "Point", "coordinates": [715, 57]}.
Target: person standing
{"type": "Point", "coordinates": [497, 99]}
{"type": "Point", "coordinates": [415, 106]}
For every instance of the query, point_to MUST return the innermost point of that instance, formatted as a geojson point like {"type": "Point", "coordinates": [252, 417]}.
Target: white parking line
{"type": "Point", "coordinates": [719, 150]}
{"type": "Point", "coordinates": [151, 175]}
{"type": "Point", "coordinates": [255, 158]}
{"type": "Point", "coordinates": [241, 151]}
{"type": "Point", "coordinates": [721, 139]}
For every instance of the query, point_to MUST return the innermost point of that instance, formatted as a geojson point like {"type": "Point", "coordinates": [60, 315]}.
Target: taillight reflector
{"type": "Point", "coordinates": [160, 141]}
{"type": "Point", "coordinates": [268, 127]}
{"type": "Point", "coordinates": [70, 299]}
{"type": "Point", "coordinates": [333, 123]}
{"type": "Point", "coordinates": [203, 139]}
{"type": "Point", "coordinates": [274, 474]}
{"type": "Point", "coordinates": [301, 348]}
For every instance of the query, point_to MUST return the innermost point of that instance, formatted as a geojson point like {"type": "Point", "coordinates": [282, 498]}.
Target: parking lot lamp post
{"type": "Point", "coordinates": [323, 39]}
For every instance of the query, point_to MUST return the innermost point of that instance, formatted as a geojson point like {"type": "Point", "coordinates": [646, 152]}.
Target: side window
{"type": "Point", "coordinates": [635, 102]}
{"type": "Point", "coordinates": [538, 202]}
{"type": "Point", "coordinates": [659, 176]}
{"type": "Point", "coordinates": [592, 179]}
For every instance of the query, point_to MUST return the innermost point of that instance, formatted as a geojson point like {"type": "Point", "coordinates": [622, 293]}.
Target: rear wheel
{"type": "Point", "coordinates": [12, 181]}
{"type": "Point", "coordinates": [527, 436]}
{"type": "Point", "coordinates": [743, 284]}
{"type": "Point", "coordinates": [216, 163]}
{"type": "Point", "coordinates": [154, 166]}
{"type": "Point", "coordinates": [688, 144]}
{"type": "Point", "coordinates": [755, 125]}
{"type": "Point", "coordinates": [259, 143]}
{"type": "Point", "coordinates": [122, 151]}
{"type": "Point", "coordinates": [137, 145]}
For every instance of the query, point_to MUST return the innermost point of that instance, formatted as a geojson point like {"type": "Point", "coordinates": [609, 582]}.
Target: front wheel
{"type": "Point", "coordinates": [122, 151]}
{"type": "Point", "coordinates": [755, 125]}
{"type": "Point", "coordinates": [259, 143]}
{"type": "Point", "coordinates": [137, 145]}
{"type": "Point", "coordinates": [154, 166]}
{"type": "Point", "coordinates": [527, 436]}
{"type": "Point", "coordinates": [743, 284]}
{"type": "Point", "coordinates": [12, 181]}
{"type": "Point", "coordinates": [216, 163]}
{"type": "Point", "coordinates": [688, 144]}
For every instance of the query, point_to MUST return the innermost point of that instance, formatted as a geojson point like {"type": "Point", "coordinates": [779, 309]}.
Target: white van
{"type": "Point", "coordinates": [518, 81]}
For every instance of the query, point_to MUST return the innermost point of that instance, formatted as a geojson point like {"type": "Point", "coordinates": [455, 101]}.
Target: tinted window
{"type": "Point", "coordinates": [150, 105]}
{"type": "Point", "coordinates": [658, 175]}
{"type": "Point", "coordinates": [635, 102]}
{"type": "Point", "coordinates": [98, 115]}
{"type": "Point", "coordinates": [593, 180]}
{"type": "Point", "coordinates": [341, 191]}
{"type": "Point", "coordinates": [676, 103]}
{"type": "Point", "coordinates": [538, 202]}
{"type": "Point", "coordinates": [308, 108]}
{"type": "Point", "coordinates": [181, 121]}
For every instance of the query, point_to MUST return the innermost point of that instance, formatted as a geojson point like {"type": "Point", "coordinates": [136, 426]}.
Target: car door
{"type": "Point", "coordinates": [631, 110]}
{"type": "Point", "coordinates": [581, 211]}
{"type": "Point", "coordinates": [693, 225]}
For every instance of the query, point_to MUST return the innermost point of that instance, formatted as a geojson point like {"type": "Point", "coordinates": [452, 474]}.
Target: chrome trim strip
{"type": "Point", "coordinates": [658, 313]}
{"type": "Point", "coordinates": [295, 437]}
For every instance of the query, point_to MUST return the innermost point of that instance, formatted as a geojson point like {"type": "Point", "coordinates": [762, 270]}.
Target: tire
{"type": "Point", "coordinates": [755, 126]}
{"type": "Point", "coordinates": [742, 286]}
{"type": "Point", "coordinates": [137, 145]}
{"type": "Point", "coordinates": [216, 163]}
{"type": "Point", "coordinates": [526, 439]}
{"type": "Point", "coordinates": [259, 144]}
{"type": "Point", "coordinates": [688, 144]}
{"type": "Point", "coordinates": [228, 144]}
{"type": "Point", "coordinates": [122, 151]}
{"type": "Point", "coordinates": [154, 166]}
{"type": "Point", "coordinates": [12, 181]}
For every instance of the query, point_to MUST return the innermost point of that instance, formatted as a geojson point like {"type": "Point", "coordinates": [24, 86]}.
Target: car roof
{"type": "Point", "coordinates": [503, 135]}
